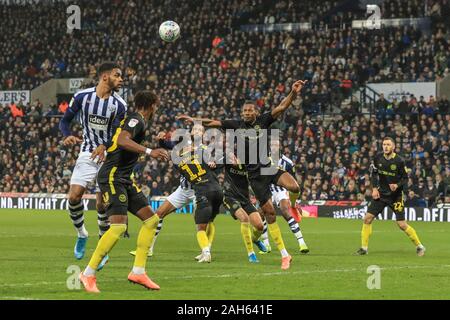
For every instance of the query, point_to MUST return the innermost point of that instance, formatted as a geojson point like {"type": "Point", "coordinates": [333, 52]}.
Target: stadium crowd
{"type": "Point", "coordinates": [215, 68]}
{"type": "Point", "coordinates": [332, 157]}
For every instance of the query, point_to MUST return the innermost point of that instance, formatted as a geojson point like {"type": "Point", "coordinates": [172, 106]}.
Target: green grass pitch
{"type": "Point", "coordinates": [36, 248]}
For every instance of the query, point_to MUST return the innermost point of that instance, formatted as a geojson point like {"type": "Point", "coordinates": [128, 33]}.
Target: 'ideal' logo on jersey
{"type": "Point", "coordinates": [98, 122]}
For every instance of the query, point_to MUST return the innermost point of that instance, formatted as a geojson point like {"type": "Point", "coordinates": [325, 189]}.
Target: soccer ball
{"type": "Point", "coordinates": [169, 31]}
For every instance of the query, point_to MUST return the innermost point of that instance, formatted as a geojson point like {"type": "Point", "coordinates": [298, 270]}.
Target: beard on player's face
{"type": "Point", "coordinates": [114, 84]}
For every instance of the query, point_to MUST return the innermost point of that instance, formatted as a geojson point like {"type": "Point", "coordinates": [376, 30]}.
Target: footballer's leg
{"type": "Point", "coordinates": [398, 208]}
{"type": "Point", "coordinates": [284, 206]}
{"type": "Point", "coordinates": [256, 224]}
{"type": "Point", "coordinates": [366, 231]}
{"type": "Point", "coordinates": [150, 221]}
{"type": "Point", "coordinates": [76, 211]}
{"type": "Point", "coordinates": [412, 235]}
{"type": "Point", "coordinates": [246, 233]}
{"type": "Point", "coordinates": [118, 225]}
{"type": "Point", "coordinates": [211, 233]}
{"type": "Point", "coordinates": [103, 223]}
{"type": "Point", "coordinates": [275, 233]}
{"type": "Point", "coordinates": [265, 233]}
{"type": "Point", "coordinates": [287, 181]}
{"type": "Point", "coordinates": [165, 209]}
{"type": "Point", "coordinates": [203, 242]}
{"type": "Point", "coordinates": [257, 227]}
{"type": "Point", "coordinates": [207, 208]}
{"type": "Point", "coordinates": [375, 208]}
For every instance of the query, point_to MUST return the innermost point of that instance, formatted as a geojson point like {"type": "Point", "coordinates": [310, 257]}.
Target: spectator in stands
{"type": "Point", "coordinates": [443, 105]}
{"type": "Point", "coordinates": [413, 200]}
{"type": "Point", "coordinates": [16, 110]}
{"type": "Point", "coordinates": [63, 107]}
{"type": "Point", "coordinates": [155, 190]}
{"type": "Point", "coordinates": [403, 106]}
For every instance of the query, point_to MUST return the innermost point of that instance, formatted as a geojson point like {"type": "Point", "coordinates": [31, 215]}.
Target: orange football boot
{"type": "Point", "coordinates": [89, 283]}
{"type": "Point", "coordinates": [143, 280]}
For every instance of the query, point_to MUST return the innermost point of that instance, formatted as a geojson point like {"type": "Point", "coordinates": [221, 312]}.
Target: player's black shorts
{"type": "Point", "coordinates": [395, 202]}
{"type": "Point", "coordinates": [207, 206]}
{"type": "Point", "coordinates": [261, 185]}
{"type": "Point", "coordinates": [121, 197]}
{"type": "Point", "coordinates": [233, 202]}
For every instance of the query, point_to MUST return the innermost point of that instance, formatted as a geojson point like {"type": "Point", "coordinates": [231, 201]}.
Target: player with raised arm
{"type": "Point", "coordinates": [389, 181]}
{"type": "Point", "coordinates": [255, 134]}
{"type": "Point", "coordinates": [99, 110]}
{"type": "Point", "coordinates": [120, 193]}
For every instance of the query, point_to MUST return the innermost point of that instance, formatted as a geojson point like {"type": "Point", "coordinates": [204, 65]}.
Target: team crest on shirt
{"type": "Point", "coordinates": [111, 108]}
{"type": "Point", "coordinates": [393, 167]}
{"type": "Point", "coordinates": [133, 122]}
{"type": "Point", "coordinates": [122, 198]}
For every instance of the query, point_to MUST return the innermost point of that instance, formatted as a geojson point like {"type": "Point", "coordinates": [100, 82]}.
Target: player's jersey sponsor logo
{"type": "Point", "coordinates": [133, 122]}
{"type": "Point", "coordinates": [122, 198]}
{"type": "Point", "coordinates": [98, 122]}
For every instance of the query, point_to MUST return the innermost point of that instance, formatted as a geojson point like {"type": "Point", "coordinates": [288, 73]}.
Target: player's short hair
{"type": "Point", "coordinates": [144, 99]}
{"type": "Point", "coordinates": [389, 138]}
{"type": "Point", "coordinates": [107, 66]}
{"type": "Point", "coordinates": [253, 103]}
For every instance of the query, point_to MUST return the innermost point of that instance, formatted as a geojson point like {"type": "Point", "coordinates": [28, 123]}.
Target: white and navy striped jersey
{"type": "Point", "coordinates": [184, 183]}
{"type": "Point", "coordinates": [99, 117]}
{"type": "Point", "coordinates": [287, 165]}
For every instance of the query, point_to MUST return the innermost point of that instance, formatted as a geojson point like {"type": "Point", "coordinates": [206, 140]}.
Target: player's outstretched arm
{"type": "Point", "coordinates": [64, 126]}
{"type": "Point", "coordinates": [125, 141]}
{"type": "Point", "coordinates": [211, 123]}
{"type": "Point", "coordinates": [285, 104]}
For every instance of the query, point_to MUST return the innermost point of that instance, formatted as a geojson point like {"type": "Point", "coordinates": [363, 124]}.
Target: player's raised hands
{"type": "Point", "coordinates": [185, 117]}
{"type": "Point", "coordinates": [160, 154]}
{"type": "Point", "coordinates": [71, 140]}
{"type": "Point", "coordinates": [298, 85]}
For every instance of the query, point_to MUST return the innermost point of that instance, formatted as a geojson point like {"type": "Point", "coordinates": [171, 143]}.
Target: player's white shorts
{"type": "Point", "coordinates": [279, 194]}
{"type": "Point", "coordinates": [181, 197]}
{"type": "Point", "coordinates": [85, 171]}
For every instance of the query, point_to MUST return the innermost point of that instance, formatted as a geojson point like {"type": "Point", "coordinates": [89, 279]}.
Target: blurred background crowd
{"type": "Point", "coordinates": [216, 66]}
